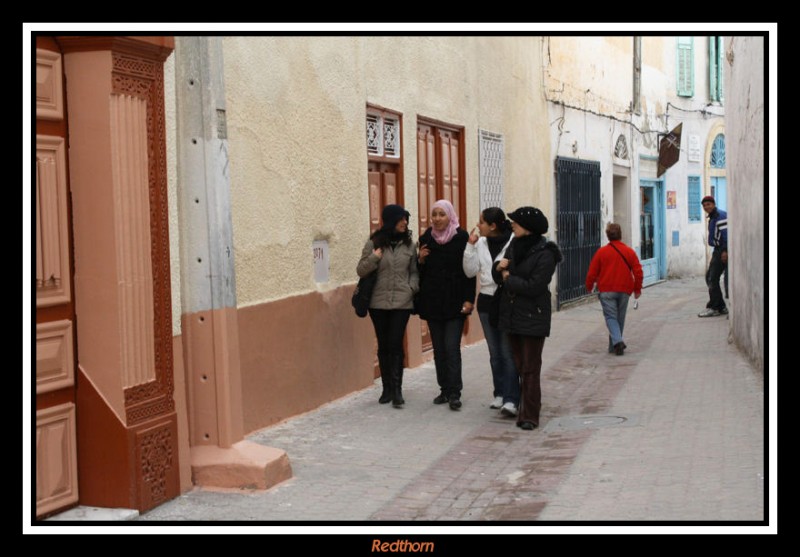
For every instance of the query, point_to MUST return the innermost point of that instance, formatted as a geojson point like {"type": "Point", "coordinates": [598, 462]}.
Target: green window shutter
{"type": "Point", "coordinates": [693, 198]}
{"type": "Point", "coordinates": [716, 52]}
{"type": "Point", "coordinates": [685, 66]}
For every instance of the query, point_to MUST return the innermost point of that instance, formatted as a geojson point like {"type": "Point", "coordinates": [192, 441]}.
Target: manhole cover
{"type": "Point", "coordinates": [572, 423]}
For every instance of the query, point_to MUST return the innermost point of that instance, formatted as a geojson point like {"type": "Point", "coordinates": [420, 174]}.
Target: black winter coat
{"type": "Point", "coordinates": [443, 286]}
{"type": "Point", "coordinates": [525, 307]}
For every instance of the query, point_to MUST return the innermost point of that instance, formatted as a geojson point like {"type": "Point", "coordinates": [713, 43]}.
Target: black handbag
{"type": "Point", "coordinates": [363, 294]}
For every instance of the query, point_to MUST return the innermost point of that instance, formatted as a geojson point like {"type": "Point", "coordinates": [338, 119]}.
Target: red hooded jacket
{"type": "Point", "coordinates": [611, 273]}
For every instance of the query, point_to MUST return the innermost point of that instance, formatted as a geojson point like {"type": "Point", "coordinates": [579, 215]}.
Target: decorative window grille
{"type": "Point", "coordinates": [490, 147]}
{"type": "Point", "coordinates": [693, 198]}
{"type": "Point", "coordinates": [383, 136]}
{"type": "Point", "coordinates": [718, 152]}
{"type": "Point", "coordinates": [621, 148]}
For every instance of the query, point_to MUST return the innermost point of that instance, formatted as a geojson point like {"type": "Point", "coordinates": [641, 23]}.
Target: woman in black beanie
{"type": "Point", "coordinates": [525, 273]}
{"type": "Point", "coordinates": [390, 252]}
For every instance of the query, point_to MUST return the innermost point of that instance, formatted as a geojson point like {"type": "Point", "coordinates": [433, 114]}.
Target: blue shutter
{"type": "Point", "coordinates": [684, 62]}
{"type": "Point", "coordinates": [693, 198]}
{"type": "Point", "coordinates": [712, 68]}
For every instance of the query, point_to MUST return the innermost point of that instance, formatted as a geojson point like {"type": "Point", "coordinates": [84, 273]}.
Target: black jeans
{"type": "Point", "coordinates": [390, 326]}
{"type": "Point", "coordinates": [715, 270]}
{"type": "Point", "coordinates": [446, 339]}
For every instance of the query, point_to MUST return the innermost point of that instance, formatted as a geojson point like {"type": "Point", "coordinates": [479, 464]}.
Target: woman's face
{"type": "Point", "coordinates": [519, 230]}
{"type": "Point", "coordinates": [486, 228]}
{"type": "Point", "coordinates": [439, 219]}
{"type": "Point", "coordinates": [402, 225]}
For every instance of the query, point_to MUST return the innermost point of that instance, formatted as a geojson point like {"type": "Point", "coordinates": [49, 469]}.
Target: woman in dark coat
{"type": "Point", "coordinates": [446, 297]}
{"type": "Point", "coordinates": [525, 273]}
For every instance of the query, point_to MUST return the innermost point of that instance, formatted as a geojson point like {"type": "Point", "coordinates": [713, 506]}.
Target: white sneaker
{"type": "Point", "coordinates": [509, 409]}
{"type": "Point", "coordinates": [497, 402]}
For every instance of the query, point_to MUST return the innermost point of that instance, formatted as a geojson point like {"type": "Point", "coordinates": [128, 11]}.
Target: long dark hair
{"type": "Point", "coordinates": [495, 215]}
{"type": "Point", "coordinates": [382, 238]}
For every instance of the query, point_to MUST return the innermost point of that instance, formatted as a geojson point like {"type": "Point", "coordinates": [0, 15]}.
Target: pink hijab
{"type": "Point", "coordinates": [447, 234]}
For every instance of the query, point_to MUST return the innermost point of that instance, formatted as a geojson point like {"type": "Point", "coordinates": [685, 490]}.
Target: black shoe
{"type": "Point", "coordinates": [619, 348]}
{"type": "Point", "coordinates": [441, 399]}
{"type": "Point", "coordinates": [455, 403]}
{"type": "Point", "coordinates": [386, 397]}
{"type": "Point", "coordinates": [526, 425]}
{"type": "Point", "coordinates": [398, 401]}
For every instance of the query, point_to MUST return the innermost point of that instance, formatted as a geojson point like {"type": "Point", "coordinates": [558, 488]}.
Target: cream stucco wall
{"type": "Point", "coordinates": [296, 126]}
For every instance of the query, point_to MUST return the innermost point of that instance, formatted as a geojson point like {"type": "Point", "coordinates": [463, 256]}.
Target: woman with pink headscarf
{"type": "Point", "coordinates": [446, 297]}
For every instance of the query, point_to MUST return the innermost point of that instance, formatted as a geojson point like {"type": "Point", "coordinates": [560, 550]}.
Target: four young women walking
{"type": "Point", "coordinates": [443, 273]}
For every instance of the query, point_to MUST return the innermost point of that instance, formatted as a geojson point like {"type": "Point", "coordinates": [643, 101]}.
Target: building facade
{"type": "Point", "coordinates": [611, 101]}
{"type": "Point", "coordinates": [234, 181]}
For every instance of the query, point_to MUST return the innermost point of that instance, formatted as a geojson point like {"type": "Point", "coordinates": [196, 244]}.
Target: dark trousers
{"type": "Point", "coordinates": [446, 339]}
{"type": "Point", "coordinates": [390, 327]}
{"type": "Point", "coordinates": [527, 352]}
{"type": "Point", "coordinates": [715, 270]}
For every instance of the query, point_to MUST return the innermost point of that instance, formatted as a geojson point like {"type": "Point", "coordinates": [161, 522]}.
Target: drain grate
{"type": "Point", "coordinates": [572, 423]}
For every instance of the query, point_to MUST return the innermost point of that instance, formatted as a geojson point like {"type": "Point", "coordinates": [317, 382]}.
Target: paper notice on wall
{"type": "Point", "coordinates": [693, 151]}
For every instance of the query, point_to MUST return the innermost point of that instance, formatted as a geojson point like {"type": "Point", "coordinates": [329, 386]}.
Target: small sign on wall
{"type": "Point", "coordinates": [322, 262]}
{"type": "Point", "coordinates": [693, 151]}
{"type": "Point", "coordinates": [672, 199]}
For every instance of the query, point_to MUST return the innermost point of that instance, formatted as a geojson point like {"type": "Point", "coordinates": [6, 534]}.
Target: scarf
{"type": "Point", "coordinates": [444, 236]}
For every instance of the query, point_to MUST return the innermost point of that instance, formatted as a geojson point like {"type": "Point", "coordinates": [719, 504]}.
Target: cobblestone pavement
{"type": "Point", "coordinates": [674, 430]}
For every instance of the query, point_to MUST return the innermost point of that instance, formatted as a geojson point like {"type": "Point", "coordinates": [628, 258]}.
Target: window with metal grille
{"type": "Point", "coordinates": [383, 135]}
{"type": "Point", "coordinates": [718, 152]}
{"type": "Point", "coordinates": [693, 197]}
{"type": "Point", "coordinates": [490, 147]}
{"type": "Point", "coordinates": [684, 62]}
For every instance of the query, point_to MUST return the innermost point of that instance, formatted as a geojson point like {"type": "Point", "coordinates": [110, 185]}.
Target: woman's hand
{"type": "Point", "coordinates": [424, 251]}
{"type": "Point", "coordinates": [378, 252]}
{"type": "Point", "coordinates": [503, 265]}
{"type": "Point", "coordinates": [474, 236]}
{"type": "Point", "coordinates": [466, 308]}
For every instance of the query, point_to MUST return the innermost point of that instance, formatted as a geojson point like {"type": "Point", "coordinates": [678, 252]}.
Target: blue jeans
{"type": "Point", "coordinates": [504, 373]}
{"type": "Point", "coordinates": [446, 340]}
{"type": "Point", "coordinates": [615, 305]}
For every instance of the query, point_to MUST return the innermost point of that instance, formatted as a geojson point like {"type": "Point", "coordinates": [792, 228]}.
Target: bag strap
{"type": "Point", "coordinates": [622, 256]}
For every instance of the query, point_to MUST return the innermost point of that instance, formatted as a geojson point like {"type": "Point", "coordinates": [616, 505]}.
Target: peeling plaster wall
{"type": "Point", "coordinates": [593, 77]}
{"type": "Point", "coordinates": [745, 99]}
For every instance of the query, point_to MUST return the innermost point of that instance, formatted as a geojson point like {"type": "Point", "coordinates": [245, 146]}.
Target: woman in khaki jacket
{"type": "Point", "coordinates": [391, 253]}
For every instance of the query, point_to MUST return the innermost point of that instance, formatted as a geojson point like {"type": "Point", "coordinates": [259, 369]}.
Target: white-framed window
{"type": "Point", "coordinates": [490, 148]}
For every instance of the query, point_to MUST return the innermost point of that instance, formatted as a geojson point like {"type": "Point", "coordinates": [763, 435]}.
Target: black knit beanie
{"type": "Point", "coordinates": [531, 219]}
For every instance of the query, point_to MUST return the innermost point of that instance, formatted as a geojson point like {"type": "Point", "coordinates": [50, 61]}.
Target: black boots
{"type": "Point", "coordinates": [386, 379]}
{"type": "Point", "coordinates": [397, 381]}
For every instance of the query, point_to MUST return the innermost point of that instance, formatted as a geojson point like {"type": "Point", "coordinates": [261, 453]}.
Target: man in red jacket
{"type": "Point", "coordinates": [616, 270]}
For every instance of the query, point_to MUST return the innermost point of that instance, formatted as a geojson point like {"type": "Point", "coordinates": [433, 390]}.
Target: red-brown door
{"type": "Point", "coordinates": [55, 444]}
{"type": "Point", "coordinates": [438, 177]}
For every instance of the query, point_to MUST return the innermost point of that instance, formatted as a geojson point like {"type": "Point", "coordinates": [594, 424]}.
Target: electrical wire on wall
{"type": "Point", "coordinates": [564, 105]}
